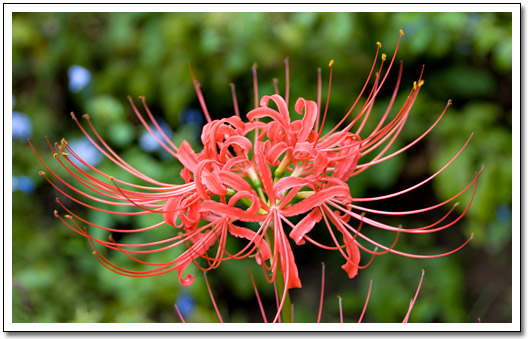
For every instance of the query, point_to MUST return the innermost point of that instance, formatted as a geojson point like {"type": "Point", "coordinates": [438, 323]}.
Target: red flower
{"type": "Point", "coordinates": [265, 170]}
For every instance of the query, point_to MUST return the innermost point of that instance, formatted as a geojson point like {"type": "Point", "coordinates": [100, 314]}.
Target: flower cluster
{"type": "Point", "coordinates": [251, 179]}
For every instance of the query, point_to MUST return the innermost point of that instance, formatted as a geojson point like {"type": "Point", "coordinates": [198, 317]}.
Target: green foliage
{"type": "Point", "coordinates": [467, 58]}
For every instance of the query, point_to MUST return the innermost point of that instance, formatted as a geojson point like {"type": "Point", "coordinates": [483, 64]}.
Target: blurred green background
{"type": "Point", "coordinates": [90, 62]}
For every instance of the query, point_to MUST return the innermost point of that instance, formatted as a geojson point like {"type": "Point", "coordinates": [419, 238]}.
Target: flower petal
{"type": "Point", "coordinates": [305, 225]}
{"type": "Point", "coordinates": [196, 250]}
{"type": "Point", "coordinates": [233, 213]}
{"type": "Point", "coordinates": [317, 199]}
{"type": "Point", "coordinates": [264, 252]}
{"type": "Point", "coordinates": [308, 120]}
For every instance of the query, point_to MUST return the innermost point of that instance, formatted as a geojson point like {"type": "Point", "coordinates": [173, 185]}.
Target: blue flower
{"type": "Point", "coordinates": [192, 116]}
{"type": "Point", "coordinates": [503, 213]}
{"type": "Point", "coordinates": [86, 151]}
{"type": "Point", "coordinates": [148, 143]}
{"type": "Point", "coordinates": [22, 127]}
{"type": "Point", "coordinates": [23, 184]}
{"type": "Point", "coordinates": [79, 78]}
{"type": "Point", "coordinates": [186, 304]}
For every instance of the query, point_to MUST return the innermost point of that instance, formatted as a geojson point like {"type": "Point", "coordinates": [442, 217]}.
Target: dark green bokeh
{"type": "Point", "coordinates": [467, 58]}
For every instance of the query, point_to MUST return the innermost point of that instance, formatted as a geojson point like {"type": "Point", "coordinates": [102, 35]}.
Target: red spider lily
{"type": "Point", "coordinates": [264, 170]}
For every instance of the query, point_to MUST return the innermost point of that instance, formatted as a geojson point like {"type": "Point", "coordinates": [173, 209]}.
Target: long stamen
{"type": "Point", "coordinates": [156, 124]}
{"type": "Point", "coordinates": [366, 302]}
{"type": "Point", "coordinates": [322, 292]}
{"type": "Point", "coordinates": [212, 297]}
{"type": "Point", "coordinates": [235, 101]}
{"type": "Point", "coordinates": [179, 313]}
{"type": "Point", "coordinates": [340, 309]}
{"type": "Point", "coordinates": [359, 96]}
{"type": "Point", "coordinates": [409, 145]}
{"type": "Point", "coordinates": [198, 91]}
{"type": "Point", "coordinates": [331, 65]}
{"type": "Point", "coordinates": [255, 84]}
{"type": "Point", "coordinates": [276, 85]}
{"type": "Point", "coordinates": [413, 300]}
{"type": "Point", "coordinates": [319, 88]}
{"type": "Point", "coordinates": [261, 307]}
{"type": "Point", "coordinates": [111, 154]}
{"type": "Point", "coordinates": [287, 71]}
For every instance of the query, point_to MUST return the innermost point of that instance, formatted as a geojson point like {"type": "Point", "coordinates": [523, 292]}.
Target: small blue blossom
{"type": "Point", "coordinates": [86, 151]}
{"type": "Point", "coordinates": [148, 143]}
{"type": "Point", "coordinates": [186, 304]}
{"type": "Point", "coordinates": [22, 126]}
{"type": "Point", "coordinates": [503, 213]}
{"type": "Point", "coordinates": [79, 78]}
{"type": "Point", "coordinates": [192, 116]}
{"type": "Point", "coordinates": [23, 184]}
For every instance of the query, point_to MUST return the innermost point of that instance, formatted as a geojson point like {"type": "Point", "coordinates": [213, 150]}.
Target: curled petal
{"type": "Point", "coordinates": [199, 178]}
{"type": "Point", "coordinates": [264, 172]}
{"type": "Point", "coordinates": [281, 104]}
{"type": "Point", "coordinates": [238, 141]}
{"type": "Point", "coordinates": [352, 264]}
{"type": "Point", "coordinates": [317, 199]}
{"type": "Point", "coordinates": [171, 210]}
{"type": "Point", "coordinates": [255, 201]}
{"type": "Point", "coordinates": [233, 180]}
{"type": "Point", "coordinates": [290, 182]}
{"type": "Point", "coordinates": [274, 153]}
{"type": "Point", "coordinates": [308, 120]}
{"type": "Point", "coordinates": [187, 156]}
{"type": "Point", "coordinates": [305, 225]}
{"type": "Point", "coordinates": [233, 213]}
{"type": "Point", "coordinates": [320, 163]}
{"type": "Point", "coordinates": [304, 150]}
{"type": "Point", "coordinates": [264, 252]}
{"type": "Point", "coordinates": [262, 112]}
{"type": "Point", "coordinates": [195, 251]}
{"type": "Point", "coordinates": [213, 182]}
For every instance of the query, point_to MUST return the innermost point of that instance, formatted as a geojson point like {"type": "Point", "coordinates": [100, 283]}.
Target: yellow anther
{"type": "Point", "coordinates": [56, 213]}
{"type": "Point", "coordinates": [54, 155]}
{"type": "Point", "coordinates": [57, 199]}
{"type": "Point", "coordinates": [64, 142]}
{"type": "Point", "coordinates": [94, 253]}
{"type": "Point", "coordinates": [110, 238]}
{"type": "Point", "coordinates": [86, 116]}
{"type": "Point", "coordinates": [64, 154]}
{"type": "Point", "coordinates": [41, 173]}
{"type": "Point", "coordinates": [401, 32]}
{"type": "Point", "coordinates": [414, 85]}
{"type": "Point", "coordinates": [111, 178]}
{"type": "Point", "coordinates": [421, 83]}
{"type": "Point", "coordinates": [73, 116]}
{"type": "Point", "coordinates": [67, 216]}
{"type": "Point", "coordinates": [449, 102]}
{"type": "Point", "coordinates": [383, 56]}
{"type": "Point", "coordinates": [379, 44]}
{"type": "Point", "coordinates": [331, 63]}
